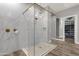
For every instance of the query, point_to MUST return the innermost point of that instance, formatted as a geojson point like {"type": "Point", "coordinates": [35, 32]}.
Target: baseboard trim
{"type": "Point", "coordinates": [76, 42]}
{"type": "Point", "coordinates": [60, 39]}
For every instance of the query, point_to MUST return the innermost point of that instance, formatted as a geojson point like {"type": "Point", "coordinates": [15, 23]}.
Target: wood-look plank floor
{"type": "Point", "coordinates": [64, 49]}
{"type": "Point", "coordinates": [69, 40]}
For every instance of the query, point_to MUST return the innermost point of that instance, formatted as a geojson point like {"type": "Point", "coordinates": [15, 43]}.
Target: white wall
{"type": "Point", "coordinates": [61, 28]}
{"type": "Point", "coordinates": [51, 26]}
{"type": "Point", "coordinates": [10, 18]}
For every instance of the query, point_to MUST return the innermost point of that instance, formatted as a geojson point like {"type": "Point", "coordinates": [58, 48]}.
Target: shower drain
{"type": "Point", "coordinates": [40, 47]}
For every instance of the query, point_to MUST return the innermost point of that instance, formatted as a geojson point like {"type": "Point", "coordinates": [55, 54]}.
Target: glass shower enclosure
{"type": "Point", "coordinates": [38, 30]}
{"type": "Point", "coordinates": [37, 22]}
{"type": "Point", "coordinates": [26, 29]}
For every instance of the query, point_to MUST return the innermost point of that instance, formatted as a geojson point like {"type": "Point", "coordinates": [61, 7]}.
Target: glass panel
{"type": "Point", "coordinates": [41, 30]}
{"type": "Point", "coordinates": [29, 16]}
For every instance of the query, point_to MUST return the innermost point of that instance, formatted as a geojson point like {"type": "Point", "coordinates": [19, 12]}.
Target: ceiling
{"type": "Point", "coordinates": [57, 7]}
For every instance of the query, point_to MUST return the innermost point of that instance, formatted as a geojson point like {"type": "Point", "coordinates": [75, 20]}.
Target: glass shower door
{"type": "Point", "coordinates": [41, 30]}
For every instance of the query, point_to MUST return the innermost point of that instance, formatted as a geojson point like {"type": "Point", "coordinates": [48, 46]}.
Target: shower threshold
{"type": "Point", "coordinates": [41, 49]}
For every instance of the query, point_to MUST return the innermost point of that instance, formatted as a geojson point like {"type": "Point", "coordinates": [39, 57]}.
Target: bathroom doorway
{"type": "Point", "coordinates": [69, 29]}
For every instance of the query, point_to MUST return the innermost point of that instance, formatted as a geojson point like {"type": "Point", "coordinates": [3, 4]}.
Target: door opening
{"type": "Point", "coordinates": [69, 29]}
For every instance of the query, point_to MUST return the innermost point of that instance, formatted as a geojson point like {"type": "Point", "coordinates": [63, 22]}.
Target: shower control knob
{"type": "Point", "coordinates": [36, 18]}
{"type": "Point", "coordinates": [15, 30]}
